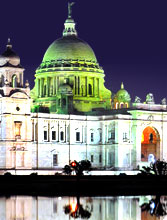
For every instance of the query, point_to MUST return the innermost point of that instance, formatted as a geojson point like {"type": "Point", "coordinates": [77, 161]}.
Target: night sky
{"type": "Point", "coordinates": [129, 38]}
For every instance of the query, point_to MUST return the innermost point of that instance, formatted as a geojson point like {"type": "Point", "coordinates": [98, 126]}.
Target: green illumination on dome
{"type": "Point", "coordinates": [69, 48]}
{"type": "Point", "coordinates": [69, 78]}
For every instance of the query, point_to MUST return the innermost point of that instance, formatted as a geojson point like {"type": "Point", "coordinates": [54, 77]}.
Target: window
{"type": "Point", "coordinates": [55, 159]}
{"type": "Point", "coordinates": [100, 137]}
{"type": "Point", "coordinates": [151, 137]}
{"type": "Point", "coordinates": [54, 207]}
{"type": "Point", "coordinates": [53, 135]}
{"type": "Point", "coordinates": [77, 136]}
{"type": "Point", "coordinates": [91, 159]}
{"type": "Point", "coordinates": [90, 89]}
{"type": "Point", "coordinates": [92, 137]}
{"type": "Point", "coordinates": [18, 128]}
{"type": "Point", "coordinates": [124, 136]}
{"type": "Point", "coordinates": [45, 134]}
{"type": "Point", "coordinates": [63, 102]}
{"type": "Point", "coordinates": [113, 135]}
{"type": "Point", "coordinates": [121, 105]}
{"type": "Point", "coordinates": [14, 81]}
{"type": "Point", "coordinates": [62, 136]}
{"type": "Point", "coordinates": [100, 158]}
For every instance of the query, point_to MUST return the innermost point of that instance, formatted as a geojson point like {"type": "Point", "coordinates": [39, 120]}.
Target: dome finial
{"type": "Point", "coordinates": [70, 4]}
{"type": "Point", "coordinates": [122, 85]}
{"type": "Point", "coordinates": [9, 45]}
{"type": "Point", "coordinates": [69, 24]}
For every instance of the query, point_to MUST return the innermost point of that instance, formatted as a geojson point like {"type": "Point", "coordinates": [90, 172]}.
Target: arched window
{"type": "Point", "coordinates": [116, 105]}
{"type": "Point", "coordinates": [151, 137]}
{"type": "Point", "coordinates": [14, 81]}
{"type": "Point", "coordinates": [121, 105]}
{"type": "Point", "coordinates": [90, 89]}
{"type": "Point", "coordinates": [126, 105]}
{"type": "Point", "coordinates": [63, 102]}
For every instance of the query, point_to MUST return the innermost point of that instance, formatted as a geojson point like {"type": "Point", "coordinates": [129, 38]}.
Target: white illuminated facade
{"type": "Point", "coordinates": [43, 130]}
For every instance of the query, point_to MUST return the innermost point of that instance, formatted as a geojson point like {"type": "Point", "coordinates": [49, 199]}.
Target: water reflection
{"type": "Point", "coordinates": [94, 208]}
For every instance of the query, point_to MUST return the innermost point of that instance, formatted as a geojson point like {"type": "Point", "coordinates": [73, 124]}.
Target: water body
{"type": "Point", "coordinates": [94, 208]}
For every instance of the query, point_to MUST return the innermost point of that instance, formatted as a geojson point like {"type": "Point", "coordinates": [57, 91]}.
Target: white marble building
{"type": "Point", "coordinates": [52, 125]}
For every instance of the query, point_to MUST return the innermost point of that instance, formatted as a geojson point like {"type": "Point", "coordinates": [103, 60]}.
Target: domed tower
{"type": "Point", "coordinates": [70, 62]}
{"type": "Point", "coordinates": [11, 71]}
{"type": "Point", "coordinates": [122, 98]}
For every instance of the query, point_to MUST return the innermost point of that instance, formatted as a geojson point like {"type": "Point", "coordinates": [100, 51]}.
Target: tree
{"type": "Point", "coordinates": [78, 167]}
{"type": "Point", "coordinates": [158, 168]}
{"type": "Point", "coordinates": [156, 206]}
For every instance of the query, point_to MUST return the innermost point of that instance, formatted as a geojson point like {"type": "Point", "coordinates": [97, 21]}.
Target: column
{"type": "Point", "coordinates": [74, 86]}
{"type": "Point", "coordinates": [38, 87]}
{"type": "Point", "coordinates": [41, 87]}
{"type": "Point", "coordinates": [79, 85]}
{"type": "Point", "coordinates": [98, 86]}
{"type": "Point", "coordinates": [47, 86]}
{"type": "Point", "coordinates": [57, 84]}
{"type": "Point", "coordinates": [87, 91]}
{"type": "Point", "coordinates": [93, 86]}
{"type": "Point", "coordinates": [54, 85]}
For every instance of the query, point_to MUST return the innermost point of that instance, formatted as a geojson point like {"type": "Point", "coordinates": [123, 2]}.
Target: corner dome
{"type": "Point", "coordinates": [9, 56]}
{"type": "Point", "coordinates": [69, 48]}
{"type": "Point", "coordinates": [123, 95]}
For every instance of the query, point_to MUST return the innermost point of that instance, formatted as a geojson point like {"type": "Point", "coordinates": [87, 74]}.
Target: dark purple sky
{"type": "Point", "coordinates": [129, 38]}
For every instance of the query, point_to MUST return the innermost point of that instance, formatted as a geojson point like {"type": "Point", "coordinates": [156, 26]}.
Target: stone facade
{"type": "Point", "coordinates": [72, 116]}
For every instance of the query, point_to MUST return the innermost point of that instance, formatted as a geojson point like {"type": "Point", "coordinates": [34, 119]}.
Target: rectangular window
{"type": "Point", "coordinates": [53, 135]}
{"type": "Point", "coordinates": [77, 136]}
{"type": "Point", "coordinates": [18, 129]}
{"type": "Point", "coordinates": [112, 136]}
{"type": "Point", "coordinates": [91, 159]}
{"type": "Point", "coordinates": [100, 158]}
{"type": "Point", "coordinates": [55, 159]}
{"type": "Point", "coordinates": [92, 137]}
{"type": "Point", "coordinates": [62, 136]}
{"type": "Point", "coordinates": [54, 207]}
{"type": "Point", "coordinates": [124, 136]}
{"type": "Point", "coordinates": [45, 135]}
{"type": "Point", "coordinates": [100, 137]}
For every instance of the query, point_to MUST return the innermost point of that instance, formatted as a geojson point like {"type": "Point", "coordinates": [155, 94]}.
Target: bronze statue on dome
{"type": "Point", "coordinates": [70, 4]}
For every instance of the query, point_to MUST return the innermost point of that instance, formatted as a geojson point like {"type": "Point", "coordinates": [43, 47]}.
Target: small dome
{"type": "Point", "coordinates": [65, 89]}
{"type": "Point", "coordinates": [122, 95]}
{"type": "Point", "coordinates": [9, 56]}
{"type": "Point", "coordinates": [69, 48]}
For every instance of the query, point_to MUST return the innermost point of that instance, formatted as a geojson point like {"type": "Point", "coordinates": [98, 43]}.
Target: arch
{"type": "Point", "coordinates": [14, 81]}
{"type": "Point", "coordinates": [150, 144]}
{"type": "Point", "coordinates": [126, 105]}
{"type": "Point", "coordinates": [116, 105]}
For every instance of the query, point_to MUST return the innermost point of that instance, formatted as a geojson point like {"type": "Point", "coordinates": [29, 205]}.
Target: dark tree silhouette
{"type": "Point", "coordinates": [156, 207]}
{"type": "Point", "coordinates": [78, 167]}
{"type": "Point", "coordinates": [158, 168]}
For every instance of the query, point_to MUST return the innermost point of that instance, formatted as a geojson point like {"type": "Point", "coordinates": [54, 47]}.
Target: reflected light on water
{"type": "Point", "coordinates": [94, 208]}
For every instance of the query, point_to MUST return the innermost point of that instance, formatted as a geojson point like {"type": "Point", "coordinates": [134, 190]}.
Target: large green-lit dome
{"type": "Point", "coordinates": [69, 48]}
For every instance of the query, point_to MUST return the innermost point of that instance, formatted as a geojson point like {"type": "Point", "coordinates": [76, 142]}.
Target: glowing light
{"type": "Point", "coordinates": [73, 164]}
{"type": "Point", "coordinates": [73, 207]}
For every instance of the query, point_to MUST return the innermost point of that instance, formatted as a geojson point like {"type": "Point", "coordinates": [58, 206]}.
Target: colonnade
{"type": "Point", "coordinates": [82, 86]}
